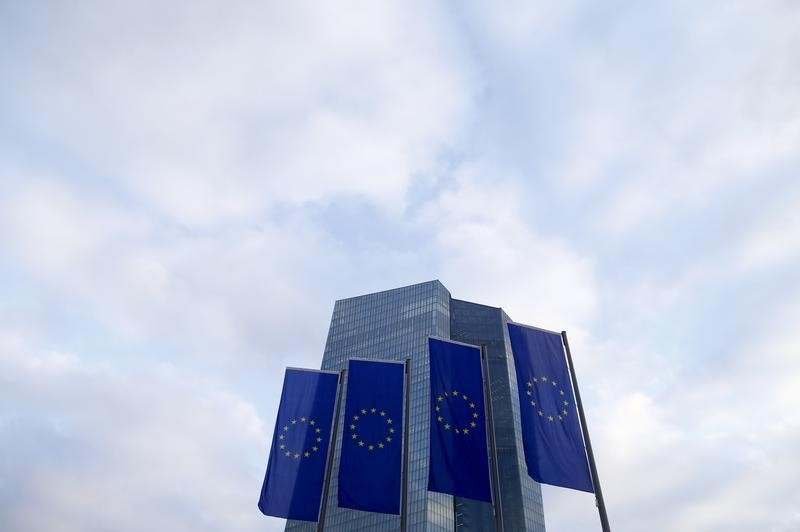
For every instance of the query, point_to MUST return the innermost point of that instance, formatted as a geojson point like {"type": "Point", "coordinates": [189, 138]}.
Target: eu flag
{"type": "Point", "coordinates": [459, 458]}
{"type": "Point", "coordinates": [372, 438]}
{"type": "Point", "coordinates": [296, 469]}
{"type": "Point", "coordinates": [551, 433]}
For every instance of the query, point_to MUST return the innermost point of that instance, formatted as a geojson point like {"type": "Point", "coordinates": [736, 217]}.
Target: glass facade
{"type": "Point", "coordinates": [395, 325]}
{"type": "Point", "coordinates": [520, 496]}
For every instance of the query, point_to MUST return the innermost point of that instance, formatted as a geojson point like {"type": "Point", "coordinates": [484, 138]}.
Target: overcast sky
{"type": "Point", "coordinates": [186, 189]}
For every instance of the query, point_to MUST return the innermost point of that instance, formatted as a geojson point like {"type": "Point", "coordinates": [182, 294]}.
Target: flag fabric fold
{"type": "Point", "coordinates": [551, 432]}
{"type": "Point", "coordinates": [293, 483]}
{"type": "Point", "coordinates": [459, 457]}
{"type": "Point", "coordinates": [370, 468]}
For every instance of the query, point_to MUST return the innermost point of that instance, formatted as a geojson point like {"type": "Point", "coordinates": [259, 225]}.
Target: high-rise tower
{"type": "Point", "coordinates": [394, 325]}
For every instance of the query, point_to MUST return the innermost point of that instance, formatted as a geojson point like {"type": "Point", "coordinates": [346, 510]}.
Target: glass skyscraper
{"type": "Point", "coordinates": [395, 325]}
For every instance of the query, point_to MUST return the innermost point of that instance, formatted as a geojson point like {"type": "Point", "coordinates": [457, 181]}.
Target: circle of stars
{"type": "Point", "coordinates": [445, 423]}
{"type": "Point", "coordinates": [537, 383]}
{"type": "Point", "coordinates": [295, 454]}
{"type": "Point", "coordinates": [371, 445]}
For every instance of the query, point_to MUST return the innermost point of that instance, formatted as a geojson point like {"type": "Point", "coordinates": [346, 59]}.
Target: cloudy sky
{"type": "Point", "coordinates": [186, 189]}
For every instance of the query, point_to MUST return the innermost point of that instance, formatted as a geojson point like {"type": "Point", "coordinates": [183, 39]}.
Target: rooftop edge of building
{"type": "Point", "coordinates": [431, 282]}
{"type": "Point", "coordinates": [480, 304]}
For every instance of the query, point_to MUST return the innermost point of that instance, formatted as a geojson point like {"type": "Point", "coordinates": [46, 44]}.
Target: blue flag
{"type": "Point", "coordinates": [296, 469]}
{"type": "Point", "coordinates": [459, 458]}
{"type": "Point", "coordinates": [551, 433]}
{"type": "Point", "coordinates": [370, 469]}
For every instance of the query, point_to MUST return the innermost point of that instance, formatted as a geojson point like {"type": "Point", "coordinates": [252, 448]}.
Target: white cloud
{"type": "Point", "coordinates": [774, 240]}
{"type": "Point", "coordinates": [212, 115]}
{"type": "Point", "coordinates": [222, 292]}
{"type": "Point", "coordinates": [90, 446]}
{"type": "Point", "coordinates": [487, 252]}
{"type": "Point", "coordinates": [55, 230]}
{"type": "Point", "coordinates": [656, 134]}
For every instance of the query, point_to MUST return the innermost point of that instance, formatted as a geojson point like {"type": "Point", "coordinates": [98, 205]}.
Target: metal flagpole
{"type": "Point", "coordinates": [334, 432]}
{"type": "Point", "coordinates": [601, 505]}
{"type": "Point", "coordinates": [487, 391]}
{"type": "Point", "coordinates": [404, 494]}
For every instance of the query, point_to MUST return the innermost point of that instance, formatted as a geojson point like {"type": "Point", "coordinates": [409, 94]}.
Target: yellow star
{"type": "Point", "coordinates": [314, 448]}
{"type": "Point", "coordinates": [464, 396]}
{"type": "Point", "coordinates": [528, 392]}
{"type": "Point", "coordinates": [306, 454]}
{"type": "Point", "coordinates": [361, 444]}
{"type": "Point", "coordinates": [554, 383]}
{"type": "Point", "coordinates": [466, 431]}
{"type": "Point", "coordinates": [455, 392]}
{"type": "Point", "coordinates": [566, 403]}
{"type": "Point", "coordinates": [285, 428]}
{"type": "Point", "coordinates": [440, 399]}
{"type": "Point", "coordinates": [458, 431]}
{"type": "Point", "coordinates": [544, 378]}
{"type": "Point", "coordinates": [302, 419]}
{"type": "Point", "coordinates": [294, 422]}
{"type": "Point", "coordinates": [439, 418]}
{"type": "Point", "coordinates": [282, 446]}
{"type": "Point", "coordinates": [562, 392]}
{"type": "Point", "coordinates": [312, 421]}
{"type": "Point", "coordinates": [318, 430]}
{"type": "Point", "coordinates": [550, 418]}
{"type": "Point", "coordinates": [355, 436]}
{"type": "Point", "coordinates": [535, 379]}
{"type": "Point", "coordinates": [391, 431]}
{"type": "Point", "coordinates": [437, 408]}
{"type": "Point", "coordinates": [472, 424]}
{"type": "Point", "coordinates": [565, 412]}
{"type": "Point", "coordinates": [541, 413]}
{"type": "Point", "coordinates": [560, 418]}
{"type": "Point", "coordinates": [530, 384]}
{"type": "Point", "coordinates": [447, 426]}
{"type": "Point", "coordinates": [380, 445]}
{"type": "Point", "coordinates": [374, 410]}
{"type": "Point", "coordinates": [533, 403]}
{"type": "Point", "coordinates": [297, 455]}
{"type": "Point", "coordinates": [353, 427]}
{"type": "Point", "coordinates": [363, 410]}
{"type": "Point", "coordinates": [287, 453]}
{"type": "Point", "coordinates": [388, 438]}
{"type": "Point", "coordinates": [319, 439]}
{"type": "Point", "coordinates": [474, 414]}
{"type": "Point", "coordinates": [355, 417]}
{"type": "Point", "coordinates": [389, 420]}
{"type": "Point", "coordinates": [384, 413]}
{"type": "Point", "coordinates": [281, 437]}
{"type": "Point", "coordinates": [371, 447]}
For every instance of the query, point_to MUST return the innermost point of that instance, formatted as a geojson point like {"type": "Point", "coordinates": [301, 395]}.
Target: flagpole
{"type": "Point", "coordinates": [487, 391]}
{"type": "Point", "coordinates": [404, 495]}
{"type": "Point", "coordinates": [601, 505]}
{"type": "Point", "coordinates": [329, 466]}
